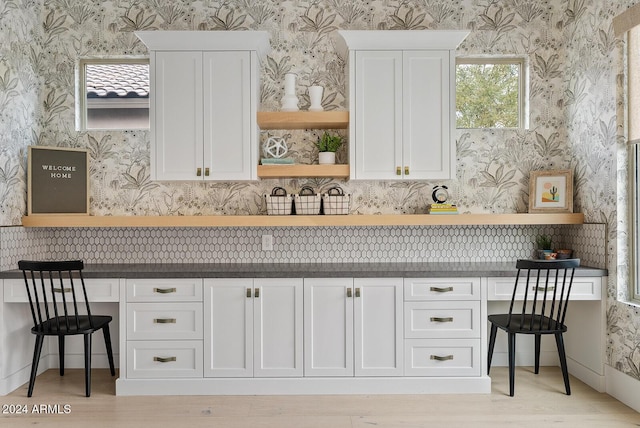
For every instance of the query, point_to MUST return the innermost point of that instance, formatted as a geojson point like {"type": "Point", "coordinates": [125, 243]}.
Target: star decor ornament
{"type": "Point", "coordinates": [275, 147]}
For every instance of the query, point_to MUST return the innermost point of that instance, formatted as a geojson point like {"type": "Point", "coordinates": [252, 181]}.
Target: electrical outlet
{"type": "Point", "coordinates": [267, 242]}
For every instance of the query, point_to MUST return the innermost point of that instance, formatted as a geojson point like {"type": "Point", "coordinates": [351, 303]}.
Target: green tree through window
{"type": "Point", "coordinates": [488, 94]}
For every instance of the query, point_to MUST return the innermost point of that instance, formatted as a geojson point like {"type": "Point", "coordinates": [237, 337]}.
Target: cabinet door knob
{"type": "Point", "coordinates": [398, 171]}
{"type": "Point", "coordinates": [257, 293]}
{"type": "Point", "coordinates": [199, 172]}
{"type": "Point", "coordinates": [357, 291]}
{"type": "Point", "coordinates": [349, 294]}
{"type": "Point", "coordinates": [206, 172]}
{"type": "Point", "coordinates": [248, 292]}
{"type": "Point", "coordinates": [406, 170]}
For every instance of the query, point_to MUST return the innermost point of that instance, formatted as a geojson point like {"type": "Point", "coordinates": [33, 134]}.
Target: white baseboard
{"type": "Point", "coordinates": [594, 380]}
{"type": "Point", "coordinates": [20, 377]}
{"type": "Point", "coordinates": [622, 387]}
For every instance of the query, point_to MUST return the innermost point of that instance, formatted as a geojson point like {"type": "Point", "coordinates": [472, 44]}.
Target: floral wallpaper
{"type": "Point", "coordinates": [573, 61]}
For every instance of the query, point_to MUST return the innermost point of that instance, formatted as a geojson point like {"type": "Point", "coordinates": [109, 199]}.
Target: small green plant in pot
{"type": "Point", "coordinates": [327, 145]}
{"type": "Point", "coordinates": [545, 245]}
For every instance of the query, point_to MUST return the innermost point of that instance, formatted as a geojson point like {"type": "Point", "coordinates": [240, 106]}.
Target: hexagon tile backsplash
{"type": "Point", "coordinates": [297, 245]}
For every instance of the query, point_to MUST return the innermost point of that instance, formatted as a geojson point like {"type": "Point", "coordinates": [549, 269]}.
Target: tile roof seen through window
{"type": "Point", "coordinates": [117, 80]}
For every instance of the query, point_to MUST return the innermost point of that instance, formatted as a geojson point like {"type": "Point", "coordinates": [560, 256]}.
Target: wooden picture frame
{"type": "Point", "coordinates": [551, 191]}
{"type": "Point", "coordinates": [57, 181]}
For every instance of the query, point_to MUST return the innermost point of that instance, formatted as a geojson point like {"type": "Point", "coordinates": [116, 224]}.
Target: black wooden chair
{"type": "Point", "coordinates": [538, 306]}
{"type": "Point", "coordinates": [56, 290]}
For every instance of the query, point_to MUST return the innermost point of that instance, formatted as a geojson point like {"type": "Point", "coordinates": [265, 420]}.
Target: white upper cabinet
{"type": "Point", "coordinates": [402, 100]}
{"type": "Point", "coordinates": [204, 98]}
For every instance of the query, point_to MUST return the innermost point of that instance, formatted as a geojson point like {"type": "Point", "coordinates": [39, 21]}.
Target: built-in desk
{"type": "Point", "coordinates": [264, 329]}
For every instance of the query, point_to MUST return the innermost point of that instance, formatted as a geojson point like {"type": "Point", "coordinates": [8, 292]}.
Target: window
{"type": "Point", "coordinates": [633, 135]}
{"type": "Point", "coordinates": [114, 94]}
{"type": "Point", "coordinates": [491, 93]}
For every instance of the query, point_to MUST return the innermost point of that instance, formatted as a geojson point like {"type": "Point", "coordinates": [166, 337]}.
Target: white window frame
{"type": "Point", "coordinates": [523, 83]}
{"type": "Point", "coordinates": [81, 90]}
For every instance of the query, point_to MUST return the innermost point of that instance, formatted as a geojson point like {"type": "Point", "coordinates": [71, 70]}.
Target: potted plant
{"type": "Point", "coordinates": [544, 245]}
{"type": "Point", "coordinates": [327, 145]}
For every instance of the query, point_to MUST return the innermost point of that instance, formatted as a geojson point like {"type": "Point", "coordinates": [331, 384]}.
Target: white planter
{"type": "Point", "coordinates": [325, 158]}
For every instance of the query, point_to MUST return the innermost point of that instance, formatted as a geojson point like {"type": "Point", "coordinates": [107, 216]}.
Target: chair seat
{"type": "Point", "coordinates": [58, 326]}
{"type": "Point", "coordinates": [541, 324]}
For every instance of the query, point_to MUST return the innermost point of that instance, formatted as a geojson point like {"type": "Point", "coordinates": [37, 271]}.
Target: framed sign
{"type": "Point", "coordinates": [57, 181]}
{"type": "Point", "coordinates": [551, 191]}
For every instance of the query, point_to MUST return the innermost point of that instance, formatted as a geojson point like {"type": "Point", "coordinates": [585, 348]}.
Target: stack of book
{"type": "Point", "coordinates": [442, 209]}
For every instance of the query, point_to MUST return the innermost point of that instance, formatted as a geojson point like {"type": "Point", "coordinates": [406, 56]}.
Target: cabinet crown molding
{"type": "Point", "coordinates": [400, 39]}
{"type": "Point", "coordinates": [206, 41]}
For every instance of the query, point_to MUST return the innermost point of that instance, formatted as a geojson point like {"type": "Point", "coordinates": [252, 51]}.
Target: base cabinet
{"type": "Point", "coordinates": [253, 327]}
{"type": "Point", "coordinates": [353, 327]}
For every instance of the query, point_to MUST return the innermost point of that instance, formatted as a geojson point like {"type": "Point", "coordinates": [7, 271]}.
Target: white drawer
{"type": "Point", "coordinates": [98, 290]}
{"type": "Point", "coordinates": [152, 321]}
{"type": "Point", "coordinates": [583, 288]}
{"type": "Point", "coordinates": [164, 290]}
{"type": "Point", "coordinates": [457, 319]}
{"type": "Point", "coordinates": [441, 289]}
{"type": "Point", "coordinates": [442, 357]}
{"type": "Point", "coordinates": [164, 359]}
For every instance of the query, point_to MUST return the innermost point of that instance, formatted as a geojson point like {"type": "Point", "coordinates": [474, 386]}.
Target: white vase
{"type": "Point", "coordinates": [315, 95]}
{"type": "Point", "coordinates": [289, 101]}
{"type": "Point", "coordinates": [326, 158]}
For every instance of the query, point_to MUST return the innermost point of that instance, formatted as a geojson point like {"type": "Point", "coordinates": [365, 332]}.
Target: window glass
{"type": "Point", "coordinates": [490, 93]}
{"type": "Point", "coordinates": [114, 94]}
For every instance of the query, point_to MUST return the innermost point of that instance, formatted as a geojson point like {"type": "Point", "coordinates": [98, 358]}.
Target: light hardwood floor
{"type": "Point", "coordinates": [539, 402]}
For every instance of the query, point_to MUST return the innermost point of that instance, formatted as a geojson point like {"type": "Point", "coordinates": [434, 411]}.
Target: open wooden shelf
{"type": "Point", "coordinates": [300, 220]}
{"type": "Point", "coordinates": [330, 171]}
{"type": "Point", "coordinates": [303, 119]}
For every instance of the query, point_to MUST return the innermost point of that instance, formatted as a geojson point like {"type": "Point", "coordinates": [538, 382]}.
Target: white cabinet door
{"type": "Point", "coordinates": [328, 327]}
{"type": "Point", "coordinates": [228, 327]}
{"type": "Point", "coordinates": [378, 115]}
{"type": "Point", "coordinates": [203, 116]}
{"type": "Point", "coordinates": [253, 327]}
{"type": "Point", "coordinates": [228, 128]}
{"type": "Point", "coordinates": [378, 333]}
{"type": "Point", "coordinates": [426, 147]}
{"type": "Point", "coordinates": [278, 327]}
{"type": "Point", "coordinates": [403, 112]}
{"type": "Point", "coordinates": [176, 115]}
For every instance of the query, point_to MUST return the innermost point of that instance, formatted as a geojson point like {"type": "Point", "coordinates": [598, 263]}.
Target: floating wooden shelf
{"type": "Point", "coordinates": [276, 171]}
{"type": "Point", "coordinates": [300, 220]}
{"type": "Point", "coordinates": [303, 119]}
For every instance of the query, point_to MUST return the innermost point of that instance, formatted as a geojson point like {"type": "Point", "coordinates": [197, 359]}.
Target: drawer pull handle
{"type": "Point", "coordinates": [257, 293]}
{"type": "Point", "coordinates": [164, 359]}
{"type": "Point", "coordinates": [164, 290]}
{"type": "Point", "coordinates": [164, 320]}
{"type": "Point", "coordinates": [357, 291]}
{"type": "Point", "coordinates": [439, 358]}
{"type": "Point", "coordinates": [441, 319]}
{"type": "Point", "coordinates": [441, 289]}
{"type": "Point", "coordinates": [349, 292]}
{"type": "Point", "coordinates": [551, 288]}
{"type": "Point", "coordinates": [62, 290]}
{"type": "Point", "coordinates": [248, 292]}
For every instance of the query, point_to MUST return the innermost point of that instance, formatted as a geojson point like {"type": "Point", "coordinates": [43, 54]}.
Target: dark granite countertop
{"type": "Point", "coordinates": [303, 270]}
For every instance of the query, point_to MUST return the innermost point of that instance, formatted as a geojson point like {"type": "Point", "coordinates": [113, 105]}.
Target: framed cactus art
{"type": "Point", "coordinates": [551, 191]}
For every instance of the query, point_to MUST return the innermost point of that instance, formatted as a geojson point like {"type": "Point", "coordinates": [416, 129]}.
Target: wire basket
{"type": "Point", "coordinates": [307, 202]}
{"type": "Point", "coordinates": [279, 202]}
{"type": "Point", "coordinates": [336, 202]}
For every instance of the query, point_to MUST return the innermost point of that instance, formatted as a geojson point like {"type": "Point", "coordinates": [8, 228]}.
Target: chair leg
{"type": "Point", "coordinates": [107, 343]}
{"type": "Point", "coordinates": [563, 361]}
{"type": "Point", "coordinates": [512, 362]}
{"type": "Point", "coordinates": [34, 364]}
{"type": "Point", "coordinates": [538, 337]}
{"type": "Point", "coordinates": [87, 364]}
{"type": "Point", "coordinates": [492, 343]}
{"type": "Point", "coordinates": [61, 353]}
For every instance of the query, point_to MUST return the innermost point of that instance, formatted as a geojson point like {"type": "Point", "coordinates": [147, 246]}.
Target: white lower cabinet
{"type": "Point", "coordinates": [164, 328]}
{"type": "Point", "coordinates": [253, 327]}
{"type": "Point", "coordinates": [442, 325]}
{"type": "Point", "coordinates": [353, 327]}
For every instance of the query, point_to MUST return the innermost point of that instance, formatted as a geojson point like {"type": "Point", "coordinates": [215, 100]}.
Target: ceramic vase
{"type": "Point", "coordinates": [289, 101]}
{"type": "Point", "coordinates": [315, 95]}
